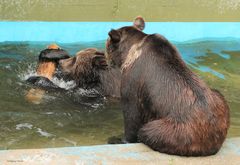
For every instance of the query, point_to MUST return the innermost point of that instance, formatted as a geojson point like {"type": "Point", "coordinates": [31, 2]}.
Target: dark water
{"type": "Point", "coordinates": [71, 119]}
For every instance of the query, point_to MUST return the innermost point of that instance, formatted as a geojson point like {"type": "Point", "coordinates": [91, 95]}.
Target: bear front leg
{"type": "Point", "coordinates": [132, 122]}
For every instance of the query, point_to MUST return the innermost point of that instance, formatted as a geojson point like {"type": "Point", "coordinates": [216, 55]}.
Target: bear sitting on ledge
{"type": "Point", "coordinates": [165, 105]}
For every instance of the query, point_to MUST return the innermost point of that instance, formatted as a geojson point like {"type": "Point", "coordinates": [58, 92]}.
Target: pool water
{"type": "Point", "coordinates": [73, 118]}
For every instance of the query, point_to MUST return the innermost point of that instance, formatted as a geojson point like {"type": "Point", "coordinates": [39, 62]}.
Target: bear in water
{"type": "Point", "coordinates": [89, 69]}
{"type": "Point", "coordinates": [165, 105]}
{"type": "Point", "coordinates": [47, 65]}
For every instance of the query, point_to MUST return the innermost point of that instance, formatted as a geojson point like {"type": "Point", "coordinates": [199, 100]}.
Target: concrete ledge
{"type": "Point", "coordinates": [118, 154]}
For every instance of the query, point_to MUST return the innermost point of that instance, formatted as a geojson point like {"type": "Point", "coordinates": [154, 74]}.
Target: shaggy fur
{"type": "Point", "coordinates": [165, 105]}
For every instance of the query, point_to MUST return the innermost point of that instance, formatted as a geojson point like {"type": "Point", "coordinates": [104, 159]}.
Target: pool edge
{"type": "Point", "coordinates": [117, 154]}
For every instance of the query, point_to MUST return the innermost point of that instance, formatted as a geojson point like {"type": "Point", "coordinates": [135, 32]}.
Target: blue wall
{"type": "Point", "coordinates": [68, 32]}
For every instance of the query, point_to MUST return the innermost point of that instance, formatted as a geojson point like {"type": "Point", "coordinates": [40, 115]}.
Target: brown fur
{"type": "Point", "coordinates": [46, 69]}
{"type": "Point", "coordinates": [89, 69]}
{"type": "Point", "coordinates": [165, 105]}
{"type": "Point", "coordinates": [47, 65]}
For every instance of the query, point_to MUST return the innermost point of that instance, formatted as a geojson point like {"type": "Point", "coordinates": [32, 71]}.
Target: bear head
{"type": "Point", "coordinates": [121, 40]}
{"type": "Point", "coordinates": [84, 67]}
{"type": "Point", "coordinates": [48, 60]}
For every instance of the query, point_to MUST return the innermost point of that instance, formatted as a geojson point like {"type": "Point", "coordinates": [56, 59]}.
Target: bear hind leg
{"type": "Point", "coordinates": [171, 138]}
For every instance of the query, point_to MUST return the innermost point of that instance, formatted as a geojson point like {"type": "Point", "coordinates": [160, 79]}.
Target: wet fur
{"type": "Point", "coordinates": [165, 105]}
{"type": "Point", "coordinates": [90, 71]}
{"type": "Point", "coordinates": [46, 68]}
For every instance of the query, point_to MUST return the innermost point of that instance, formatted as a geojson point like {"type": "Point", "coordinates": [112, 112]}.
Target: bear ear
{"type": "Point", "coordinates": [139, 23]}
{"type": "Point", "coordinates": [114, 35]}
{"type": "Point", "coordinates": [99, 61]}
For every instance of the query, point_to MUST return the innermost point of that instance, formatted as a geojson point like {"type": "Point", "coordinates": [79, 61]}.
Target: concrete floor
{"type": "Point", "coordinates": [118, 154]}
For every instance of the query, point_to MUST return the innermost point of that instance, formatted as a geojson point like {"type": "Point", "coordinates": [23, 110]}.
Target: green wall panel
{"type": "Point", "coordinates": [120, 10]}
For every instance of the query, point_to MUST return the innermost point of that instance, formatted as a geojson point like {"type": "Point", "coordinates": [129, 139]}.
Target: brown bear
{"type": "Point", "coordinates": [47, 65]}
{"type": "Point", "coordinates": [90, 71]}
{"type": "Point", "coordinates": [165, 105]}
{"type": "Point", "coordinates": [48, 60]}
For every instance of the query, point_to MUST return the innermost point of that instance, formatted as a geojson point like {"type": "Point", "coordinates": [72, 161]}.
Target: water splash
{"type": "Point", "coordinates": [64, 84]}
{"type": "Point", "coordinates": [44, 133]}
{"type": "Point", "coordinates": [86, 92]}
{"type": "Point", "coordinates": [25, 74]}
{"type": "Point", "coordinates": [24, 126]}
{"type": "Point", "coordinates": [31, 71]}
